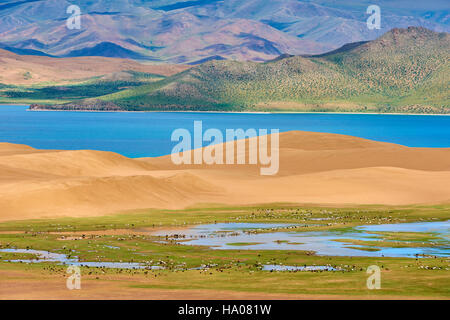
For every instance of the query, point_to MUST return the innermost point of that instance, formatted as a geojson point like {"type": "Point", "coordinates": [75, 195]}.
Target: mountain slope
{"type": "Point", "coordinates": [107, 49]}
{"type": "Point", "coordinates": [180, 31]}
{"type": "Point", "coordinates": [404, 70]}
{"type": "Point", "coordinates": [31, 69]}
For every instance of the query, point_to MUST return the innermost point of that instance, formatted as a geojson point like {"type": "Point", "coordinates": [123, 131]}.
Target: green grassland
{"type": "Point", "coordinates": [339, 218]}
{"type": "Point", "coordinates": [232, 269]}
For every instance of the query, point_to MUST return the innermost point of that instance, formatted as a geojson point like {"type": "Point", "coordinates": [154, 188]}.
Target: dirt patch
{"type": "Point", "coordinates": [25, 285]}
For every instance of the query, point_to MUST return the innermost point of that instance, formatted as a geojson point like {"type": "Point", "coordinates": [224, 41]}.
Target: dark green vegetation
{"type": "Point", "coordinates": [406, 70]}
{"type": "Point", "coordinates": [51, 93]}
{"type": "Point", "coordinates": [127, 237]}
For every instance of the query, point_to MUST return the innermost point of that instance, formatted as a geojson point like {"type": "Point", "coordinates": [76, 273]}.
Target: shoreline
{"type": "Point", "coordinates": [234, 112]}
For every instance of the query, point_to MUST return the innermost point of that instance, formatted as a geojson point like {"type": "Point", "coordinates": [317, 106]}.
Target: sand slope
{"type": "Point", "coordinates": [314, 168]}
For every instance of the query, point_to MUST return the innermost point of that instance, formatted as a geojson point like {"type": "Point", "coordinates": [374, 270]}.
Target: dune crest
{"type": "Point", "coordinates": [316, 168]}
{"type": "Point", "coordinates": [76, 163]}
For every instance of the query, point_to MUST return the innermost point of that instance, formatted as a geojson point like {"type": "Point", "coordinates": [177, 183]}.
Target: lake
{"type": "Point", "coordinates": [148, 134]}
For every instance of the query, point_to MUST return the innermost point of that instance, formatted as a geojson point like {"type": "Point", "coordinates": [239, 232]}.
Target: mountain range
{"type": "Point", "coordinates": [405, 70]}
{"type": "Point", "coordinates": [195, 31]}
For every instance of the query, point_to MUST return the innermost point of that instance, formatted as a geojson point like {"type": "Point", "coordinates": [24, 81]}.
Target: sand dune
{"type": "Point", "coordinates": [381, 185]}
{"type": "Point", "coordinates": [12, 149]}
{"type": "Point", "coordinates": [76, 163]}
{"type": "Point", "coordinates": [95, 196]}
{"type": "Point", "coordinates": [314, 168]}
{"type": "Point", "coordinates": [307, 152]}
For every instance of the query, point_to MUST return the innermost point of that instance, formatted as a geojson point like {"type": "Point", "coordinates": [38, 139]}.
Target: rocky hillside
{"type": "Point", "coordinates": [405, 70]}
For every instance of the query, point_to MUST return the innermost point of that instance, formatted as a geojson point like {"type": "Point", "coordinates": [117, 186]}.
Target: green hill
{"type": "Point", "coordinates": [405, 70]}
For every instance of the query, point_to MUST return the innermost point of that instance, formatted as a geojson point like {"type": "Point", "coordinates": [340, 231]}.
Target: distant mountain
{"type": "Point", "coordinates": [27, 52]}
{"type": "Point", "coordinates": [212, 58]}
{"type": "Point", "coordinates": [108, 49]}
{"type": "Point", "coordinates": [405, 70]}
{"type": "Point", "coordinates": [184, 31]}
{"type": "Point", "coordinates": [26, 71]}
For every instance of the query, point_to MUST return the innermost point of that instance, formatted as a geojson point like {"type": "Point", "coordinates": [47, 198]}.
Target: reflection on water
{"type": "Point", "coordinates": [229, 228]}
{"type": "Point", "coordinates": [275, 267]}
{"type": "Point", "coordinates": [45, 256]}
{"type": "Point", "coordinates": [234, 236]}
{"type": "Point", "coordinates": [442, 227]}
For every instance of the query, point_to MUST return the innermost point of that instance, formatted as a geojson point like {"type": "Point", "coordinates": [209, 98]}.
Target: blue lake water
{"type": "Point", "coordinates": [225, 236]}
{"type": "Point", "coordinates": [148, 134]}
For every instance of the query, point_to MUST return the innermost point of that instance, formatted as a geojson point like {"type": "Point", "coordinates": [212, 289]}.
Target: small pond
{"type": "Point", "coordinates": [228, 236]}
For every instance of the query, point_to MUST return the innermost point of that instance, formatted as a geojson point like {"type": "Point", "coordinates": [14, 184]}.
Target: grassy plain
{"type": "Point", "coordinates": [128, 237]}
